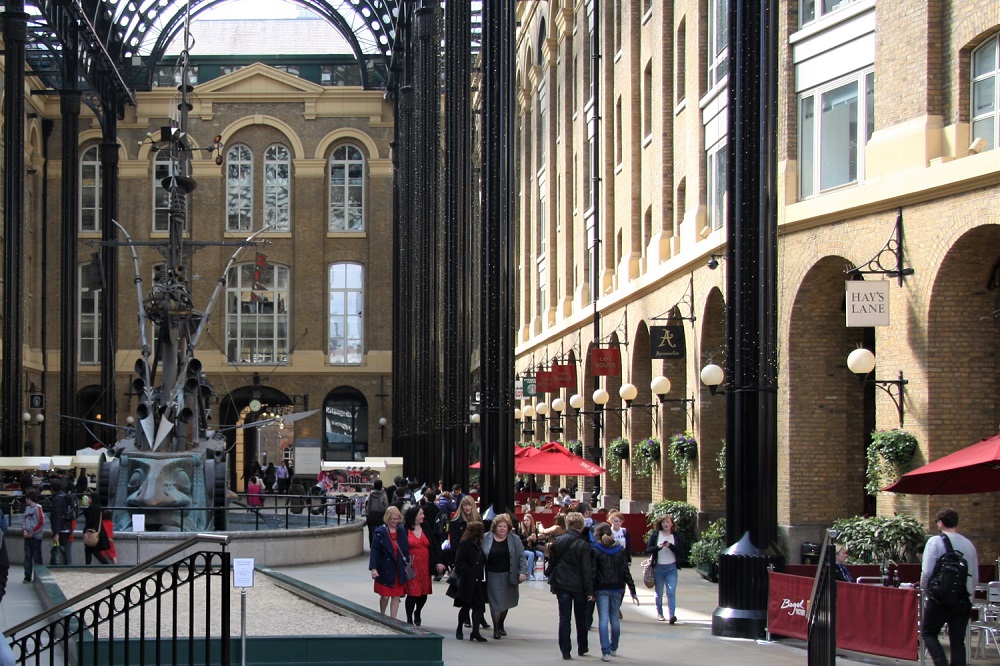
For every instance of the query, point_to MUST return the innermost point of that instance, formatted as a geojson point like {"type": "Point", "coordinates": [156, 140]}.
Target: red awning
{"type": "Point", "coordinates": [556, 459]}
{"type": "Point", "coordinates": [520, 452]}
{"type": "Point", "coordinates": [974, 469]}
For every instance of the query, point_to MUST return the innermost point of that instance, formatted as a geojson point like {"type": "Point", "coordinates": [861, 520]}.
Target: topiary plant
{"type": "Point", "coordinates": [647, 454]}
{"type": "Point", "coordinates": [889, 457]}
{"type": "Point", "coordinates": [683, 449]}
{"type": "Point", "coordinates": [685, 518]}
{"type": "Point", "coordinates": [617, 452]}
{"type": "Point", "coordinates": [871, 540]}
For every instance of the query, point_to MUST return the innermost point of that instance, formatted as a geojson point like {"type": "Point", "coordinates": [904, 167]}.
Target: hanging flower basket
{"type": "Point", "coordinates": [683, 449]}
{"type": "Point", "coordinates": [647, 455]}
{"type": "Point", "coordinates": [575, 446]}
{"type": "Point", "coordinates": [617, 452]}
{"type": "Point", "coordinates": [889, 457]}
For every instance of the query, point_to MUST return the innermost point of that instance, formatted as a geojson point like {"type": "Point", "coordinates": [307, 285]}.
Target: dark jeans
{"type": "Point", "coordinates": [577, 605]}
{"type": "Point", "coordinates": [32, 556]}
{"type": "Point", "coordinates": [935, 616]}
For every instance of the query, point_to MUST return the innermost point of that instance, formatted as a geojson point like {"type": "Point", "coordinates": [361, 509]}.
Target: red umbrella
{"type": "Point", "coordinates": [974, 469]}
{"type": "Point", "coordinates": [519, 453]}
{"type": "Point", "coordinates": [558, 460]}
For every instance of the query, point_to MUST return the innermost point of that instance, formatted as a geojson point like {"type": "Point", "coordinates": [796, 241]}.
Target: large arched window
{"type": "Point", "coordinates": [345, 415]}
{"type": "Point", "coordinates": [257, 313]}
{"type": "Point", "coordinates": [90, 190]}
{"type": "Point", "coordinates": [277, 187]}
{"type": "Point", "coordinates": [239, 188]}
{"type": "Point", "coordinates": [347, 189]}
{"type": "Point", "coordinates": [346, 308]}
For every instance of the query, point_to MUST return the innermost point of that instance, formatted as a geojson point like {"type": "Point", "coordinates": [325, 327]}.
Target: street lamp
{"type": "Point", "coordinates": [382, 422]}
{"type": "Point", "coordinates": [861, 362]}
{"type": "Point", "coordinates": [30, 420]}
{"type": "Point", "coordinates": [712, 376]}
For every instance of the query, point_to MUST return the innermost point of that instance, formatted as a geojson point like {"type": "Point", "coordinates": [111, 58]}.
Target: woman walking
{"type": "Point", "coordinates": [506, 568]}
{"type": "Point", "coordinates": [665, 546]}
{"type": "Point", "coordinates": [468, 581]}
{"type": "Point", "coordinates": [387, 562]}
{"type": "Point", "coordinates": [610, 569]}
{"type": "Point", "coordinates": [425, 551]}
{"type": "Point", "coordinates": [93, 517]}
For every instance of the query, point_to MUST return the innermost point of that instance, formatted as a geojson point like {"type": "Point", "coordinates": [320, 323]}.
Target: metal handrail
{"type": "Point", "coordinates": [222, 539]}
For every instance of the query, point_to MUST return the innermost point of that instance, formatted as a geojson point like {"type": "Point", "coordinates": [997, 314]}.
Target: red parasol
{"type": "Point", "coordinates": [974, 469]}
{"type": "Point", "coordinates": [556, 459]}
{"type": "Point", "coordinates": [520, 452]}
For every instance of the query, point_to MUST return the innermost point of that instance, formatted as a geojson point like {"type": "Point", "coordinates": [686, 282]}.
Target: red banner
{"type": "Point", "coordinates": [606, 362]}
{"type": "Point", "coordinates": [564, 375]}
{"type": "Point", "coordinates": [870, 618]}
{"type": "Point", "coordinates": [544, 383]}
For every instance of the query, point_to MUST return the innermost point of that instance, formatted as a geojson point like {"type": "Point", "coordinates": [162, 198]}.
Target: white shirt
{"type": "Point", "coordinates": [665, 555]}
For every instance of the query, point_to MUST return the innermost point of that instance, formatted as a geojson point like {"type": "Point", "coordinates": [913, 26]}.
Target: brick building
{"type": "Point", "coordinates": [888, 110]}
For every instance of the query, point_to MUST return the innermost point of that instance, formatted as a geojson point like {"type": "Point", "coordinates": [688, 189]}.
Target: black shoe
{"type": "Point", "coordinates": [582, 652]}
{"type": "Point", "coordinates": [673, 619]}
{"type": "Point", "coordinates": [496, 634]}
{"type": "Point", "coordinates": [477, 637]}
{"type": "Point", "coordinates": [567, 655]}
{"type": "Point", "coordinates": [484, 624]}
{"type": "Point", "coordinates": [416, 621]}
{"type": "Point", "coordinates": [26, 580]}
{"type": "Point", "coordinates": [459, 634]}
{"type": "Point", "coordinates": [503, 632]}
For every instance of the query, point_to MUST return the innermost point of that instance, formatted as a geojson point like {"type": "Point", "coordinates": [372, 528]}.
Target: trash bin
{"type": "Point", "coordinates": [810, 552]}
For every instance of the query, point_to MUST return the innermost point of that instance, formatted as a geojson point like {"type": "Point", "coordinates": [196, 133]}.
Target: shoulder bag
{"type": "Point", "coordinates": [90, 538]}
{"type": "Point", "coordinates": [647, 572]}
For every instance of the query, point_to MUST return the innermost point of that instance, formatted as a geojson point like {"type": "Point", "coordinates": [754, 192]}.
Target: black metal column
{"type": "Point", "coordinates": [751, 322]}
{"type": "Point", "coordinates": [109, 257]}
{"type": "Point", "coordinates": [498, 261]}
{"type": "Point", "coordinates": [596, 167]}
{"type": "Point", "coordinates": [457, 165]}
{"type": "Point", "coordinates": [15, 22]}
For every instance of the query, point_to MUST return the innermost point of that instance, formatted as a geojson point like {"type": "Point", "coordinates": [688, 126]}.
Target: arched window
{"type": "Point", "coordinates": [277, 187]}
{"type": "Point", "coordinates": [89, 315]}
{"type": "Point", "coordinates": [345, 413]}
{"type": "Point", "coordinates": [985, 75]}
{"type": "Point", "coordinates": [347, 189]}
{"type": "Point", "coordinates": [346, 309]}
{"type": "Point", "coordinates": [257, 313]}
{"type": "Point", "coordinates": [239, 188]}
{"type": "Point", "coordinates": [90, 190]}
{"type": "Point", "coordinates": [163, 167]}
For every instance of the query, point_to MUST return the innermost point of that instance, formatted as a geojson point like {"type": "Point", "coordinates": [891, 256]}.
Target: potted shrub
{"type": "Point", "coordinates": [875, 539]}
{"type": "Point", "coordinates": [683, 449]}
{"type": "Point", "coordinates": [705, 553]}
{"type": "Point", "coordinates": [617, 452]}
{"type": "Point", "coordinates": [647, 454]}
{"type": "Point", "coordinates": [889, 457]}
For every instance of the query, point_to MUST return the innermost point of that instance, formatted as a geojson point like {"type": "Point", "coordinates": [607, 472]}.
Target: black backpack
{"type": "Point", "coordinates": [71, 511]}
{"type": "Point", "coordinates": [948, 585]}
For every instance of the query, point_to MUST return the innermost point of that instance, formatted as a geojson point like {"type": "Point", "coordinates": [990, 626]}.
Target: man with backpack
{"type": "Point", "coordinates": [375, 508]}
{"type": "Point", "coordinates": [64, 510]}
{"type": "Point", "coordinates": [948, 577]}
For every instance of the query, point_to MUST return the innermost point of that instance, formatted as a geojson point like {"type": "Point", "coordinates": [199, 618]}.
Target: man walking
{"type": "Point", "coordinates": [32, 524]}
{"type": "Point", "coordinates": [571, 579]}
{"type": "Point", "coordinates": [63, 512]}
{"type": "Point", "coordinates": [939, 568]}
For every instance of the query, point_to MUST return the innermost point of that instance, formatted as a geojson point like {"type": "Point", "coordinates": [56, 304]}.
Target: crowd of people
{"type": "Point", "coordinates": [423, 533]}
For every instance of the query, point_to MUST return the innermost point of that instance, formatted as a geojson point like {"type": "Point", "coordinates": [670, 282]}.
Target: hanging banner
{"type": "Point", "coordinates": [867, 303]}
{"type": "Point", "coordinates": [667, 342]}
{"type": "Point", "coordinates": [564, 375]}
{"type": "Point", "coordinates": [544, 383]}
{"type": "Point", "coordinates": [606, 362]}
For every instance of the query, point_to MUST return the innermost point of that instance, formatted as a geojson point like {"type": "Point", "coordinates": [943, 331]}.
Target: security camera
{"type": "Point", "coordinates": [713, 262]}
{"type": "Point", "coordinates": [978, 146]}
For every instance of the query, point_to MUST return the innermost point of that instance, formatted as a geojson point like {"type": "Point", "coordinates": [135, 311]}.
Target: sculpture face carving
{"type": "Point", "coordinates": [163, 487]}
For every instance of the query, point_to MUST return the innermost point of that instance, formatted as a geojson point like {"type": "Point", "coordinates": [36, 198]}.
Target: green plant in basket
{"type": "Point", "coordinates": [647, 454]}
{"type": "Point", "coordinates": [683, 449]}
{"type": "Point", "coordinates": [617, 452]}
{"type": "Point", "coordinates": [889, 457]}
{"type": "Point", "coordinates": [575, 446]}
{"type": "Point", "coordinates": [705, 553]}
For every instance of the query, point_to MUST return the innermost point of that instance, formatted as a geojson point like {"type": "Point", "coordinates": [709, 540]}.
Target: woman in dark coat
{"type": "Point", "coordinates": [387, 562]}
{"type": "Point", "coordinates": [92, 516]}
{"type": "Point", "coordinates": [470, 572]}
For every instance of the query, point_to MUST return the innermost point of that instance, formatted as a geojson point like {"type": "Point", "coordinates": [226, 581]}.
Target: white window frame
{"type": "Point", "coordinates": [90, 190]}
{"type": "Point", "coordinates": [984, 124]}
{"type": "Point", "coordinates": [808, 14]}
{"type": "Point", "coordinates": [269, 296]}
{"type": "Point", "coordinates": [345, 157]}
{"type": "Point", "coordinates": [278, 187]}
{"type": "Point", "coordinates": [811, 134]}
{"type": "Point", "coordinates": [239, 188]}
{"type": "Point", "coordinates": [345, 348]}
{"type": "Point", "coordinates": [716, 176]}
{"type": "Point", "coordinates": [718, 41]}
{"type": "Point", "coordinates": [89, 317]}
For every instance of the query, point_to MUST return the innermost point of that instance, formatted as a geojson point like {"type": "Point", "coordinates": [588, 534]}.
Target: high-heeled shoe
{"type": "Point", "coordinates": [459, 634]}
{"type": "Point", "coordinates": [477, 637]}
{"type": "Point", "coordinates": [416, 618]}
{"type": "Point", "coordinates": [496, 634]}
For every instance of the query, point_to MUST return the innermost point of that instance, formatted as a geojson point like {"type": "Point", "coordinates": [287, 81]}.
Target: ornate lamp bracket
{"type": "Point", "coordinates": [888, 260]}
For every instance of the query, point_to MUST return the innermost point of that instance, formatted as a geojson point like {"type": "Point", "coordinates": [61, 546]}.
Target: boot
{"type": "Point", "coordinates": [459, 634]}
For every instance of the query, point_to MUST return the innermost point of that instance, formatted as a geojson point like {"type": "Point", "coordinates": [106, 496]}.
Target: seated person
{"type": "Point", "coordinates": [840, 571]}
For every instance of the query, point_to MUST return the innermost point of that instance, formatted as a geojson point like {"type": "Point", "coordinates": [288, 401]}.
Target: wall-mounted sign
{"type": "Point", "coordinates": [867, 303]}
{"type": "Point", "coordinates": [544, 382]}
{"type": "Point", "coordinates": [564, 375]}
{"type": "Point", "coordinates": [667, 342]}
{"type": "Point", "coordinates": [528, 387]}
{"type": "Point", "coordinates": [606, 362]}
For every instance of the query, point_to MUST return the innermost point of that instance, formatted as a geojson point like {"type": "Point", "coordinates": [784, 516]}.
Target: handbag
{"type": "Point", "coordinates": [408, 572]}
{"type": "Point", "coordinates": [90, 538]}
{"type": "Point", "coordinates": [57, 556]}
{"type": "Point", "coordinates": [647, 573]}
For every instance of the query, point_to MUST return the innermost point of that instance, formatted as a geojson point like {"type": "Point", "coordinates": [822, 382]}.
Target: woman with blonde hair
{"type": "Point", "coordinates": [529, 539]}
{"type": "Point", "coordinates": [506, 568]}
{"type": "Point", "coordinates": [387, 562]}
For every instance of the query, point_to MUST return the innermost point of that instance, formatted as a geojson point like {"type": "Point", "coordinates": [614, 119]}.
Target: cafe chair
{"type": "Point", "coordinates": [987, 624]}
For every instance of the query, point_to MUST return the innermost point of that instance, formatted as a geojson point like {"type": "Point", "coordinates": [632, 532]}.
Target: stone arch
{"type": "Point", "coordinates": [347, 134]}
{"type": "Point", "coordinates": [245, 443]}
{"type": "Point", "coordinates": [705, 487]}
{"type": "Point", "coordinates": [821, 462]}
{"type": "Point", "coordinates": [345, 419]}
{"type": "Point", "coordinates": [963, 372]}
{"type": "Point", "coordinates": [298, 151]}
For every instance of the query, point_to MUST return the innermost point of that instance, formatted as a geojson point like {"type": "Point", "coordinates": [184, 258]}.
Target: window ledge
{"type": "Point", "coordinates": [648, 15]}
{"type": "Point", "coordinates": [346, 234]}
{"type": "Point", "coordinates": [89, 234]}
{"type": "Point", "coordinates": [829, 20]}
{"type": "Point", "coordinates": [268, 234]}
{"type": "Point", "coordinates": [716, 90]}
{"type": "Point", "coordinates": [618, 56]}
{"type": "Point", "coordinates": [681, 105]}
{"type": "Point", "coordinates": [648, 140]}
{"type": "Point", "coordinates": [619, 168]}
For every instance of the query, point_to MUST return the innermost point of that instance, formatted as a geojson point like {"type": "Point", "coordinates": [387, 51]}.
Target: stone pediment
{"type": "Point", "coordinates": [258, 80]}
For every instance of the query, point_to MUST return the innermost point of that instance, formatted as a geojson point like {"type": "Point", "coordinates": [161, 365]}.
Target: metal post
{"type": "Point", "coordinates": [243, 626]}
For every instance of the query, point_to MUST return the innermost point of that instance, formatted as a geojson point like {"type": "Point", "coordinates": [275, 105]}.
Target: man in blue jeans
{"type": "Point", "coordinates": [571, 579]}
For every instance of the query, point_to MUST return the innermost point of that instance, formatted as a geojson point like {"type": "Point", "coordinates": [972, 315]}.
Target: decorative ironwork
{"type": "Point", "coordinates": [892, 251]}
{"type": "Point", "coordinates": [686, 299]}
{"type": "Point", "coordinates": [893, 388]}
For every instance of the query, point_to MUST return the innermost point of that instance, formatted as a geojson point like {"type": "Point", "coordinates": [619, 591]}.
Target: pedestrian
{"type": "Point", "coordinates": [938, 608]}
{"type": "Point", "coordinates": [254, 490]}
{"type": "Point", "coordinates": [375, 505]}
{"type": "Point", "coordinates": [425, 551]}
{"type": "Point", "coordinates": [32, 526]}
{"type": "Point", "coordinates": [666, 546]}
{"type": "Point", "coordinates": [387, 561]}
{"type": "Point", "coordinates": [93, 517]}
{"type": "Point", "coordinates": [111, 555]}
{"type": "Point", "coordinates": [529, 539]}
{"type": "Point", "coordinates": [624, 539]}
{"type": "Point", "coordinates": [571, 579]}
{"type": "Point", "coordinates": [63, 512]}
{"type": "Point", "coordinates": [284, 476]}
{"type": "Point", "coordinates": [269, 478]}
{"type": "Point", "coordinates": [610, 573]}
{"type": "Point", "coordinates": [467, 513]}
{"type": "Point", "coordinates": [467, 585]}
{"type": "Point", "coordinates": [6, 653]}
{"type": "Point", "coordinates": [506, 569]}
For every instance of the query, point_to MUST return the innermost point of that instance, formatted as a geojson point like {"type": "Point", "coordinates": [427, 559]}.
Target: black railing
{"type": "Point", "coordinates": [822, 617]}
{"type": "Point", "coordinates": [133, 618]}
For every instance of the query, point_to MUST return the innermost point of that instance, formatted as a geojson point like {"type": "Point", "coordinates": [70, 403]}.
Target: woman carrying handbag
{"type": "Point", "coordinates": [93, 546]}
